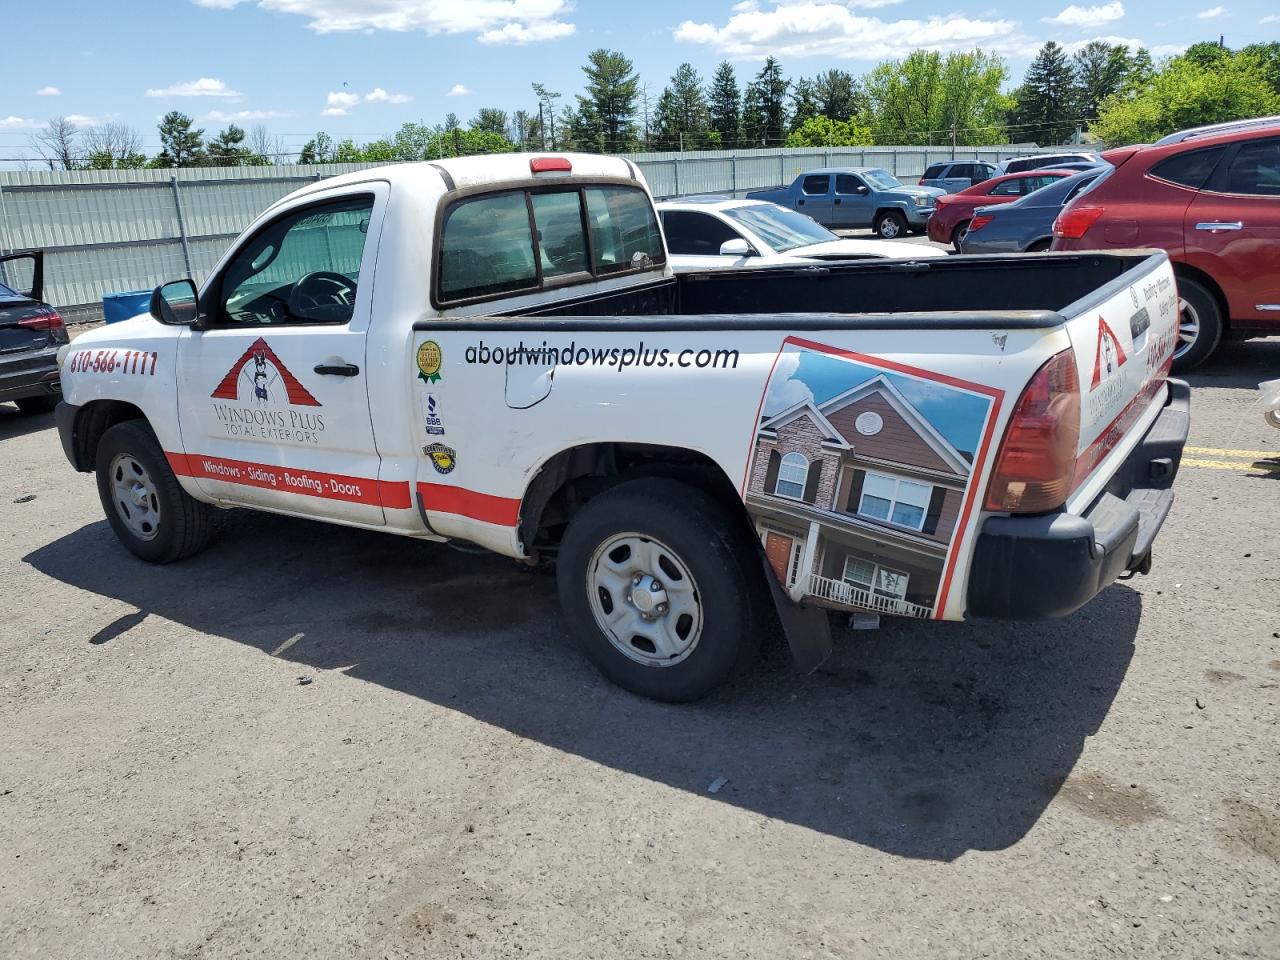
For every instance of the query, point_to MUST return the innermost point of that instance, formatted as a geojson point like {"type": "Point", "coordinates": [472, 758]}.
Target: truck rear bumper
{"type": "Point", "coordinates": [1030, 568]}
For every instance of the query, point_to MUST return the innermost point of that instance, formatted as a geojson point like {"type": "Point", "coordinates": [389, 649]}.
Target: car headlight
{"type": "Point", "coordinates": [924, 201]}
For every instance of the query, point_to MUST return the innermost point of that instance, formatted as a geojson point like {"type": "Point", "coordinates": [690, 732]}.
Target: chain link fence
{"type": "Point", "coordinates": [105, 231]}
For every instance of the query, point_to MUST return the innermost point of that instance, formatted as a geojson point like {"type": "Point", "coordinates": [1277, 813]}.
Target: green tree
{"type": "Point", "coordinates": [804, 102]}
{"type": "Point", "coordinates": [607, 113]}
{"type": "Point", "coordinates": [764, 113]}
{"type": "Point", "coordinates": [319, 149]}
{"type": "Point", "coordinates": [1101, 70]}
{"type": "Point", "coordinates": [838, 95]}
{"type": "Point", "coordinates": [1188, 93]}
{"type": "Point", "coordinates": [491, 120]}
{"type": "Point", "coordinates": [1045, 110]}
{"type": "Point", "coordinates": [825, 132]}
{"type": "Point", "coordinates": [1267, 58]}
{"type": "Point", "coordinates": [183, 146]}
{"type": "Point", "coordinates": [228, 149]}
{"type": "Point", "coordinates": [920, 99]}
{"type": "Point", "coordinates": [724, 104]}
{"type": "Point", "coordinates": [682, 119]}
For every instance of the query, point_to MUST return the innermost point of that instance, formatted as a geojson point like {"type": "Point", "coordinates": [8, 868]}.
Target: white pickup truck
{"type": "Point", "coordinates": [493, 350]}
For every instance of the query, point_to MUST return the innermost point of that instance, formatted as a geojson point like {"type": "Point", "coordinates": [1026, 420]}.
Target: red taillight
{"type": "Point", "coordinates": [1074, 222]}
{"type": "Point", "coordinates": [1033, 470]}
{"type": "Point", "coordinates": [46, 321]}
{"type": "Point", "coordinates": [977, 223]}
{"type": "Point", "coordinates": [550, 165]}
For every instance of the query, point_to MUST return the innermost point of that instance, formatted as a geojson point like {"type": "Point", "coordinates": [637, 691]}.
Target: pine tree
{"type": "Point", "coordinates": [227, 149]}
{"type": "Point", "coordinates": [1046, 102]}
{"type": "Point", "coordinates": [804, 102]}
{"type": "Point", "coordinates": [764, 115]}
{"type": "Point", "coordinates": [682, 118]}
{"type": "Point", "coordinates": [725, 105]}
{"type": "Point", "coordinates": [490, 120]}
{"type": "Point", "coordinates": [609, 108]}
{"type": "Point", "coordinates": [1100, 70]}
{"type": "Point", "coordinates": [183, 147]}
{"type": "Point", "coordinates": [838, 95]}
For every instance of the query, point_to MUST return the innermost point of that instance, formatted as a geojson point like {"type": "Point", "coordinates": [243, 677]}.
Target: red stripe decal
{"type": "Point", "coordinates": [440, 498]}
{"type": "Point", "coordinates": [308, 483]}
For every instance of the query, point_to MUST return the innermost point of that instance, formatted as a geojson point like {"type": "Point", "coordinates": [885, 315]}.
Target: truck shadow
{"type": "Point", "coordinates": [14, 423]}
{"type": "Point", "coordinates": [920, 739]}
{"type": "Point", "coordinates": [1238, 364]}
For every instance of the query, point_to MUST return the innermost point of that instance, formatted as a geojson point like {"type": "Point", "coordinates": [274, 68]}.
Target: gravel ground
{"type": "Point", "coordinates": [311, 741]}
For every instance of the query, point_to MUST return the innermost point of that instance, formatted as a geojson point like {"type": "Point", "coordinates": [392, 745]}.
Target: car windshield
{"type": "Point", "coordinates": [780, 228]}
{"type": "Point", "coordinates": [881, 179]}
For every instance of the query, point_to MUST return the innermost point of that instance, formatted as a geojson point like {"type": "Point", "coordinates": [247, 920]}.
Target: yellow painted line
{"type": "Point", "coordinates": [1231, 465]}
{"type": "Point", "coordinates": [1258, 454]}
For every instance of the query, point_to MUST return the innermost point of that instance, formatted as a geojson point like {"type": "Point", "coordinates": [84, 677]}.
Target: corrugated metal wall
{"type": "Point", "coordinates": [110, 230]}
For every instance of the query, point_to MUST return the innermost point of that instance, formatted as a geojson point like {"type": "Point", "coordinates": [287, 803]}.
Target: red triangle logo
{"type": "Point", "coordinates": [227, 388]}
{"type": "Point", "coordinates": [1109, 356]}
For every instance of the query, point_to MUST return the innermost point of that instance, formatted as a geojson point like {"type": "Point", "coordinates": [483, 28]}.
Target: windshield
{"type": "Point", "coordinates": [780, 228]}
{"type": "Point", "coordinates": [882, 179]}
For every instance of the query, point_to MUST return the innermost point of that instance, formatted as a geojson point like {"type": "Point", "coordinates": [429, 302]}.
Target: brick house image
{"type": "Point", "coordinates": [856, 500]}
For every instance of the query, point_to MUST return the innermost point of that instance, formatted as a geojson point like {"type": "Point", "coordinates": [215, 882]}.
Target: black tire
{"type": "Point", "coordinates": [1196, 304]}
{"type": "Point", "coordinates": [36, 405]}
{"type": "Point", "coordinates": [184, 525]}
{"type": "Point", "coordinates": [890, 224]}
{"type": "Point", "coordinates": [721, 561]}
{"type": "Point", "coordinates": [1040, 246]}
{"type": "Point", "coordinates": [958, 234]}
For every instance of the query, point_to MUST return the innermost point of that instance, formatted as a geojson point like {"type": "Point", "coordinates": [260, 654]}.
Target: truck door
{"type": "Point", "coordinates": [272, 395]}
{"type": "Point", "coordinates": [853, 205]}
{"type": "Point", "coordinates": [1232, 230]}
{"type": "Point", "coordinates": [814, 198]}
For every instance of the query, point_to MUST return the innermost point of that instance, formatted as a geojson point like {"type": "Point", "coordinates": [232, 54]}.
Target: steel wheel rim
{"type": "Point", "coordinates": [644, 599]}
{"type": "Point", "coordinates": [1188, 328]}
{"type": "Point", "coordinates": [134, 495]}
{"type": "Point", "coordinates": [962, 231]}
{"type": "Point", "coordinates": [889, 228]}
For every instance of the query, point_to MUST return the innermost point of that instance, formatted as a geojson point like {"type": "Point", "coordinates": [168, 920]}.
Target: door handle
{"type": "Point", "coordinates": [1216, 226]}
{"type": "Point", "coordinates": [837, 201]}
{"type": "Point", "coordinates": [337, 369]}
{"type": "Point", "coordinates": [800, 203]}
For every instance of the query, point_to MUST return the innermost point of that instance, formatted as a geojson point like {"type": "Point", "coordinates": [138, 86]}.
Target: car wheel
{"type": "Point", "coordinates": [41, 404]}
{"type": "Point", "coordinates": [959, 233]}
{"type": "Point", "coordinates": [1040, 246]}
{"type": "Point", "coordinates": [659, 589]}
{"type": "Point", "coordinates": [1199, 325]}
{"type": "Point", "coordinates": [890, 225]}
{"type": "Point", "coordinates": [144, 503]}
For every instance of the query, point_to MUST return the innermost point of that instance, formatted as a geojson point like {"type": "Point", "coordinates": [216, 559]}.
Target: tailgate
{"type": "Point", "coordinates": [1124, 348]}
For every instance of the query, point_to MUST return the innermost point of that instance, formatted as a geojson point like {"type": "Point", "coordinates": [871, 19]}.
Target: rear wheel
{"type": "Point", "coordinates": [145, 505]}
{"type": "Point", "coordinates": [1040, 246]}
{"type": "Point", "coordinates": [890, 225]}
{"type": "Point", "coordinates": [959, 233]}
{"type": "Point", "coordinates": [42, 404]}
{"type": "Point", "coordinates": [659, 590]}
{"type": "Point", "coordinates": [1199, 325]}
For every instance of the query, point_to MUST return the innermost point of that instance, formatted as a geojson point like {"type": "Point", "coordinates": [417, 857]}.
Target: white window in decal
{"type": "Point", "coordinates": [877, 579]}
{"type": "Point", "coordinates": [792, 474]}
{"type": "Point", "coordinates": [869, 424]}
{"type": "Point", "coordinates": [903, 502]}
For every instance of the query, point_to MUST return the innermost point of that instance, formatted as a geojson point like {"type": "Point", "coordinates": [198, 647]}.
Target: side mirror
{"type": "Point", "coordinates": [737, 247]}
{"type": "Point", "coordinates": [175, 303]}
{"type": "Point", "coordinates": [862, 190]}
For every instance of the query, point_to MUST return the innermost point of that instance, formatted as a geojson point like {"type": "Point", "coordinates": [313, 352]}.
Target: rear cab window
{"type": "Point", "coordinates": [518, 241]}
{"type": "Point", "coordinates": [816, 185]}
{"type": "Point", "coordinates": [934, 172]}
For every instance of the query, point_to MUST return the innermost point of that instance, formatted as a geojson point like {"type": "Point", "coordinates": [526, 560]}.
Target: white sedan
{"type": "Point", "coordinates": [715, 233]}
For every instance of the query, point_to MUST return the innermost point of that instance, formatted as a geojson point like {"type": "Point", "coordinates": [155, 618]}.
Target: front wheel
{"type": "Point", "coordinates": [890, 225]}
{"type": "Point", "coordinates": [1199, 325]}
{"type": "Point", "coordinates": [145, 505]}
{"type": "Point", "coordinates": [658, 589]}
{"type": "Point", "coordinates": [958, 234]}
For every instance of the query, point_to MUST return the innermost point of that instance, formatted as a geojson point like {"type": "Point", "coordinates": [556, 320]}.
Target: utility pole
{"type": "Point", "coordinates": [542, 126]}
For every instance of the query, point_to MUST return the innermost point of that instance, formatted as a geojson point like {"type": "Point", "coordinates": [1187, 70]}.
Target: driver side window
{"type": "Point", "coordinates": [302, 268]}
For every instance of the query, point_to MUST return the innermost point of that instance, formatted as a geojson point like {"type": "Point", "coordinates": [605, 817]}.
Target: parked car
{"type": "Point", "coordinates": [718, 233]}
{"type": "Point", "coordinates": [1026, 224]}
{"type": "Point", "coordinates": [951, 217]}
{"type": "Point", "coordinates": [843, 198]}
{"type": "Point", "coordinates": [1037, 161]}
{"type": "Point", "coordinates": [525, 373]}
{"type": "Point", "coordinates": [956, 175]}
{"type": "Point", "coordinates": [31, 332]}
{"type": "Point", "coordinates": [1213, 203]}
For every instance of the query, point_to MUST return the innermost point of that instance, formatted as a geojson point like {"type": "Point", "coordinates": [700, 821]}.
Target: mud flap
{"type": "Point", "coordinates": [807, 629]}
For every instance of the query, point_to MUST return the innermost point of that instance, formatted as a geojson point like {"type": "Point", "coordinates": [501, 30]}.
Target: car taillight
{"type": "Point", "coordinates": [977, 223]}
{"type": "Point", "coordinates": [46, 321]}
{"type": "Point", "coordinates": [1073, 222]}
{"type": "Point", "coordinates": [1033, 470]}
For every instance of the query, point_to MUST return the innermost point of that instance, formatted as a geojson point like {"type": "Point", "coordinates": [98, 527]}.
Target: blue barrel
{"type": "Point", "coordinates": [125, 304]}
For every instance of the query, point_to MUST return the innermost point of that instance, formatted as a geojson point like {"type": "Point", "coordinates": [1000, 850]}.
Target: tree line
{"type": "Point", "coordinates": [1103, 92]}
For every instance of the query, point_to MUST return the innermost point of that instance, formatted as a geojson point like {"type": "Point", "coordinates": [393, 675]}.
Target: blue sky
{"type": "Point", "coordinates": [360, 68]}
{"type": "Point", "coordinates": [800, 374]}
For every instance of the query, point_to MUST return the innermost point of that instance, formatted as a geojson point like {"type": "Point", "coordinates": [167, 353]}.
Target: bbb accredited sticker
{"type": "Point", "coordinates": [431, 415]}
{"type": "Point", "coordinates": [443, 458]}
{"type": "Point", "coordinates": [429, 360]}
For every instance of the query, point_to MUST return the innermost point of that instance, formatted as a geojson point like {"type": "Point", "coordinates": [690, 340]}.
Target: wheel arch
{"type": "Point", "coordinates": [1185, 270]}
{"type": "Point", "coordinates": [93, 420]}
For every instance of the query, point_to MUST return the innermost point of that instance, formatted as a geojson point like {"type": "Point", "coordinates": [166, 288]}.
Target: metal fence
{"type": "Point", "coordinates": [105, 231]}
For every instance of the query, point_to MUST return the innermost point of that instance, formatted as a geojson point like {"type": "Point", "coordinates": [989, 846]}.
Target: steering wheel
{"type": "Point", "coordinates": [323, 295]}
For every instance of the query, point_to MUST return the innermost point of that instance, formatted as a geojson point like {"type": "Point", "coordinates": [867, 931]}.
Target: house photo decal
{"type": "Point", "coordinates": [858, 478]}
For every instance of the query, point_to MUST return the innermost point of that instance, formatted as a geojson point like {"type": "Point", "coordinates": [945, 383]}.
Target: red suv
{"type": "Point", "coordinates": [1211, 201]}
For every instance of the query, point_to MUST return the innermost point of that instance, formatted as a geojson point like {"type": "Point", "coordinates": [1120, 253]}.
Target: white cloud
{"type": "Point", "coordinates": [340, 99]}
{"type": "Point", "coordinates": [1133, 43]}
{"type": "Point", "coordinates": [783, 390]}
{"type": "Point", "coordinates": [1167, 49]}
{"type": "Point", "coordinates": [1272, 18]}
{"type": "Point", "coordinates": [494, 21]}
{"type": "Point", "coordinates": [333, 112]}
{"type": "Point", "coordinates": [204, 87]}
{"type": "Point", "coordinates": [243, 115]}
{"type": "Point", "coordinates": [48, 92]}
{"type": "Point", "coordinates": [1211, 13]}
{"type": "Point", "coordinates": [378, 95]}
{"type": "Point", "coordinates": [828, 29]}
{"type": "Point", "coordinates": [85, 120]}
{"type": "Point", "coordinates": [458, 90]}
{"type": "Point", "coordinates": [1088, 17]}
{"type": "Point", "coordinates": [17, 123]}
